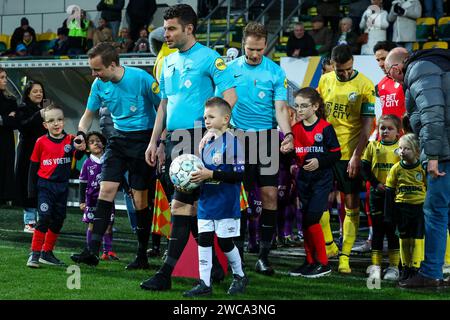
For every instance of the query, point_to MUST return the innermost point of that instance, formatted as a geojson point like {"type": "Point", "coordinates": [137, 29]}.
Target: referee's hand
{"type": "Point", "coordinates": [150, 154]}
{"type": "Point", "coordinates": [79, 143]}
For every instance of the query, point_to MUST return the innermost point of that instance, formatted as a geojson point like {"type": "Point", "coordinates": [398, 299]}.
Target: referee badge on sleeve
{"type": "Point", "coordinates": [220, 64]}
{"type": "Point", "coordinates": [155, 87]}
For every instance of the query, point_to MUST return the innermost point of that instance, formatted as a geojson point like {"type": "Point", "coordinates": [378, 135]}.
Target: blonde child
{"type": "Point", "coordinates": [405, 195]}
{"type": "Point", "coordinates": [379, 157]}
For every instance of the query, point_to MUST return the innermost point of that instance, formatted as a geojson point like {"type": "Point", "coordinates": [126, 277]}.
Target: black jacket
{"type": "Point", "coordinates": [111, 12]}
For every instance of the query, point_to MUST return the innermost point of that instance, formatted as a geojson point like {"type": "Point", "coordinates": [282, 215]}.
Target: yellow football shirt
{"type": "Point", "coordinates": [346, 102]}
{"type": "Point", "coordinates": [382, 157]}
{"type": "Point", "coordinates": [408, 181]}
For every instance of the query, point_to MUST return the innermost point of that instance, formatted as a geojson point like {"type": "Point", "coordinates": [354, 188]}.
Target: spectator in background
{"type": "Point", "coordinates": [347, 36]}
{"type": "Point", "coordinates": [30, 121]}
{"type": "Point", "coordinates": [434, 8]}
{"type": "Point", "coordinates": [32, 47]}
{"type": "Point", "coordinates": [78, 26]}
{"type": "Point", "coordinates": [111, 11]}
{"type": "Point", "coordinates": [374, 22]}
{"type": "Point", "coordinates": [21, 51]}
{"type": "Point", "coordinates": [404, 14]}
{"type": "Point", "coordinates": [61, 46]}
{"type": "Point", "coordinates": [17, 36]}
{"type": "Point", "coordinates": [8, 123]}
{"type": "Point", "coordinates": [321, 35]}
{"type": "Point", "coordinates": [139, 15]}
{"type": "Point", "coordinates": [300, 44]}
{"type": "Point", "coordinates": [102, 33]}
{"type": "Point", "coordinates": [124, 43]}
{"type": "Point", "coordinates": [329, 10]}
{"type": "Point", "coordinates": [356, 9]}
{"type": "Point", "coordinates": [142, 45]}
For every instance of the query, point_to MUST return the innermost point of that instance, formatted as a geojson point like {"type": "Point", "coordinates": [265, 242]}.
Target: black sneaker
{"type": "Point", "coordinates": [201, 289]}
{"type": "Point", "coordinates": [153, 252]}
{"type": "Point", "coordinates": [217, 274]}
{"type": "Point", "coordinates": [317, 271]}
{"type": "Point", "coordinates": [33, 259]}
{"type": "Point", "coordinates": [47, 257]}
{"type": "Point", "coordinates": [159, 282]}
{"type": "Point", "coordinates": [86, 257]}
{"type": "Point", "coordinates": [138, 263]}
{"type": "Point", "coordinates": [404, 273]}
{"type": "Point", "coordinates": [299, 271]}
{"type": "Point", "coordinates": [238, 284]}
{"type": "Point", "coordinates": [264, 267]}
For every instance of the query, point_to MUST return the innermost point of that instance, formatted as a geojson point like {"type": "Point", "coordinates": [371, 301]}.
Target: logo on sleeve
{"type": "Point", "coordinates": [285, 83]}
{"type": "Point", "coordinates": [155, 87]}
{"type": "Point", "coordinates": [220, 64]}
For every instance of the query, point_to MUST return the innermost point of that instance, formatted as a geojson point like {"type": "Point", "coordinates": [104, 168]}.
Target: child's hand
{"type": "Point", "coordinates": [312, 164]}
{"type": "Point", "coordinates": [82, 206]}
{"type": "Point", "coordinates": [201, 175]}
{"type": "Point", "coordinates": [209, 135]}
{"type": "Point", "coordinates": [381, 187]}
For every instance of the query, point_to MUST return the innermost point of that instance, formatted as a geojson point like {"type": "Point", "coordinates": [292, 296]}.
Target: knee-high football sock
{"type": "Point", "coordinates": [88, 236]}
{"type": "Point", "coordinates": [144, 226]}
{"type": "Point", "coordinates": [268, 222]}
{"type": "Point", "coordinates": [351, 225]}
{"type": "Point", "coordinates": [299, 219]}
{"type": "Point", "coordinates": [102, 218]}
{"type": "Point", "coordinates": [107, 242]}
{"type": "Point", "coordinates": [181, 226]}
{"type": "Point", "coordinates": [377, 257]}
{"type": "Point", "coordinates": [235, 261]}
{"type": "Point", "coordinates": [205, 264]}
{"type": "Point", "coordinates": [50, 240]}
{"type": "Point", "coordinates": [307, 245]}
{"type": "Point", "coordinates": [38, 240]}
{"type": "Point", "coordinates": [405, 252]}
{"type": "Point", "coordinates": [288, 220]}
{"type": "Point", "coordinates": [318, 243]}
{"type": "Point", "coordinates": [394, 257]}
{"type": "Point", "coordinates": [418, 252]}
{"type": "Point", "coordinates": [326, 228]}
{"type": "Point", "coordinates": [447, 250]}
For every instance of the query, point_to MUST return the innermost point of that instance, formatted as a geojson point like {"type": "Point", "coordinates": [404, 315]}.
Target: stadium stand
{"type": "Point", "coordinates": [425, 29]}
{"type": "Point", "coordinates": [443, 29]}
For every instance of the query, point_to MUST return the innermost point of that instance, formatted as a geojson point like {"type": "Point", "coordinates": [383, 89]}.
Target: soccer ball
{"type": "Point", "coordinates": [181, 169]}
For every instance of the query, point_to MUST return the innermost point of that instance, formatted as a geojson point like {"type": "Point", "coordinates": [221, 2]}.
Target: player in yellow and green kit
{"type": "Point", "coordinates": [379, 157]}
{"type": "Point", "coordinates": [349, 99]}
{"type": "Point", "coordinates": [405, 195]}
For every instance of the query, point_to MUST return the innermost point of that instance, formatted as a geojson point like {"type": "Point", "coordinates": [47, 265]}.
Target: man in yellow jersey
{"type": "Point", "coordinates": [349, 99]}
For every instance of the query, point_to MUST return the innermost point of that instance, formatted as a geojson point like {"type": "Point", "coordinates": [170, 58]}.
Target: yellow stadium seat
{"type": "Point", "coordinates": [416, 46]}
{"type": "Point", "coordinates": [284, 39]}
{"type": "Point", "coordinates": [425, 28]}
{"type": "Point", "coordinates": [46, 36]}
{"type": "Point", "coordinates": [5, 39]}
{"type": "Point", "coordinates": [435, 44]}
{"type": "Point", "coordinates": [443, 28]}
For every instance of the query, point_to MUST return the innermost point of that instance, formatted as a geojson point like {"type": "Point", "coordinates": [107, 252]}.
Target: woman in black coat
{"type": "Point", "coordinates": [30, 121]}
{"type": "Point", "coordinates": [8, 109]}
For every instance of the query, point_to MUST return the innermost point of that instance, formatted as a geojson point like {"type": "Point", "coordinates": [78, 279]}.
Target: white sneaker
{"type": "Point", "coordinates": [446, 269]}
{"type": "Point", "coordinates": [29, 228]}
{"type": "Point", "coordinates": [374, 272]}
{"type": "Point", "coordinates": [364, 248]}
{"type": "Point", "coordinates": [391, 274]}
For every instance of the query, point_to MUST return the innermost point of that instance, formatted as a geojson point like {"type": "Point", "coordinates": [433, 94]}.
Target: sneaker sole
{"type": "Point", "coordinates": [50, 263]}
{"type": "Point", "coordinates": [316, 275]}
{"type": "Point", "coordinates": [33, 265]}
{"type": "Point", "coordinates": [295, 274]}
{"type": "Point", "coordinates": [153, 288]}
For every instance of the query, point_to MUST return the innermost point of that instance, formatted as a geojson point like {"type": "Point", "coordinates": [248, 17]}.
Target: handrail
{"type": "Point", "coordinates": [208, 18]}
{"type": "Point", "coordinates": [273, 40]}
{"type": "Point", "coordinates": [234, 22]}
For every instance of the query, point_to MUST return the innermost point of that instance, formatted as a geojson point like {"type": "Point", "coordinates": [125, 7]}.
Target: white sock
{"type": "Point", "coordinates": [234, 259]}
{"type": "Point", "coordinates": [205, 264]}
{"type": "Point", "coordinates": [370, 233]}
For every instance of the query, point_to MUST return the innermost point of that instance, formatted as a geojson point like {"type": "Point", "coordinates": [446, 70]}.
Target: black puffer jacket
{"type": "Point", "coordinates": [111, 10]}
{"type": "Point", "coordinates": [427, 94]}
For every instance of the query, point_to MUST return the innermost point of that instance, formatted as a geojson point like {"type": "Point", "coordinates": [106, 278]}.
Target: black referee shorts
{"type": "Point", "coordinates": [125, 151]}
{"type": "Point", "coordinates": [178, 142]}
{"type": "Point", "coordinates": [262, 157]}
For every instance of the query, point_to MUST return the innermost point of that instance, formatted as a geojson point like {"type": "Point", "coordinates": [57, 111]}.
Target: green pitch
{"type": "Point", "coordinates": [111, 281]}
